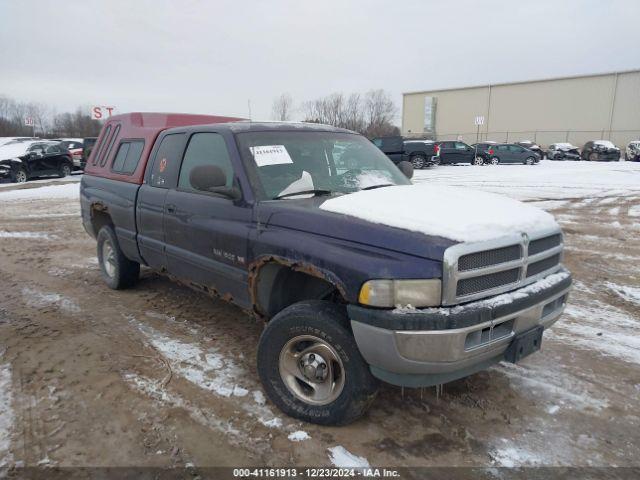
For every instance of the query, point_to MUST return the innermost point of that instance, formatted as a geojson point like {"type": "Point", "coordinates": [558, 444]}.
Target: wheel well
{"type": "Point", "coordinates": [276, 286]}
{"type": "Point", "coordinates": [99, 217]}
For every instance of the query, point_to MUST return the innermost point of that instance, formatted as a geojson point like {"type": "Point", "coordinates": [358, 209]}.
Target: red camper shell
{"type": "Point", "coordinates": [141, 129]}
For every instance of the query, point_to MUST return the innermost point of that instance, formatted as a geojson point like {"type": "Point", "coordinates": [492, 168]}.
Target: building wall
{"type": "Point", "coordinates": [571, 109]}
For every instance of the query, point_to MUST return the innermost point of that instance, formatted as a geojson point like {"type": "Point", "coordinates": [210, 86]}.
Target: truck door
{"type": "Point", "coordinates": [150, 206]}
{"type": "Point", "coordinates": [206, 233]}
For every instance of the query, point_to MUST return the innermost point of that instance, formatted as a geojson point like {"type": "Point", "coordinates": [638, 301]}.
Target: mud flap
{"type": "Point", "coordinates": [524, 344]}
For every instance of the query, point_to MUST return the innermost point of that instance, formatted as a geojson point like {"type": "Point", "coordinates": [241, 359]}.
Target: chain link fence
{"type": "Point", "coordinates": [542, 137]}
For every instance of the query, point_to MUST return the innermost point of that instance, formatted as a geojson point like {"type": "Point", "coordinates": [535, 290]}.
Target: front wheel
{"type": "Point", "coordinates": [418, 162]}
{"type": "Point", "coordinates": [495, 161]}
{"type": "Point", "coordinates": [118, 271]}
{"type": "Point", "coordinates": [20, 176]}
{"type": "Point", "coordinates": [530, 161]}
{"type": "Point", "coordinates": [310, 365]}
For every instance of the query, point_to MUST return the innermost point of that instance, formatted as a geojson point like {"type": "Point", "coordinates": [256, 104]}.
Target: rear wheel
{"type": "Point", "coordinates": [530, 161]}
{"type": "Point", "coordinates": [118, 271]}
{"type": "Point", "coordinates": [593, 157]}
{"type": "Point", "coordinates": [310, 365]}
{"type": "Point", "coordinates": [65, 170]}
{"type": "Point", "coordinates": [20, 176]}
{"type": "Point", "coordinates": [495, 161]}
{"type": "Point", "coordinates": [417, 161]}
{"type": "Point", "coordinates": [478, 160]}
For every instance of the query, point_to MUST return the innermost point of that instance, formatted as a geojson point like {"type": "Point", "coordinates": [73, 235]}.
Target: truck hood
{"type": "Point", "coordinates": [454, 213]}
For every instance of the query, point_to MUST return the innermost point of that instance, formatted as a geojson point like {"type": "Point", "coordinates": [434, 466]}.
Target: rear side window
{"type": "Point", "coordinates": [107, 152]}
{"type": "Point", "coordinates": [503, 148]}
{"type": "Point", "coordinates": [167, 161]}
{"type": "Point", "coordinates": [128, 156]}
{"type": "Point", "coordinates": [205, 149]}
{"type": "Point", "coordinates": [102, 144]}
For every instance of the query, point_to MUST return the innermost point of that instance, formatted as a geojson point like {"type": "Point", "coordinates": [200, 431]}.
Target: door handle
{"type": "Point", "coordinates": [170, 208]}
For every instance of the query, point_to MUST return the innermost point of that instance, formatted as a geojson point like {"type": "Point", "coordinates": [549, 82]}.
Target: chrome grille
{"type": "Point", "coordinates": [482, 269]}
{"type": "Point", "coordinates": [489, 257]}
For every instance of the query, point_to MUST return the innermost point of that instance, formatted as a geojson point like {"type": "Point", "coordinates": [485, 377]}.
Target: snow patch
{"type": "Point", "coordinates": [7, 416]}
{"type": "Point", "coordinates": [29, 235]}
{"type": "Point", "coordinates": [630, 294]}
{"type": "Point", "coordinates": [450, 212]}
{"type": "Point", "coordinates": [298, 436]}
{"type": "Point", "coordinates": [70, 190]}
{"type": "Point", "coordinates": [342, 458]}
{"type": "Point", "coordinates": [511, 457]}
{"type": "Point", "coordinates": [272, 423]}
{"type": "Point", "coordinates": [38, 299]}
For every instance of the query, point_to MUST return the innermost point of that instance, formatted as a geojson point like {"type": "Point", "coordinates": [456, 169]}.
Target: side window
{"type": "Point", "coordinates": [107, 152]}
{"type": "Point", "coordinates": [460, 146]}
{"type": "Point", "coordinates": [101, 146]}
{"type": "Point", "coordinates": [127, 156]}
{"type": "Point", "coordinates": [52, 149]}
{"type": "Point", "coordinates": [377, 142]}
{"type": "Point", "coordinates": [205, 149]}
{"type": "Point", "coordinates": [516, 149]}
{"type": "Point", "coordinates": [503, 148]}
{"type": "Point", "coordinates": [167, 161]}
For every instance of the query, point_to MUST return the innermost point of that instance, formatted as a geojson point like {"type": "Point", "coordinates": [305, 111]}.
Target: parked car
{"type": "Point", "coordinates": [450, 152]}
{"type": "Point", "coordinates": [419, 152]}
{"type": "Point", "coordinates": [76, 148]}
{"type": "Point", "coordinates": [563, 151]}
{"type": "Point", "coordinates": [632, 152]}
{"type": "Point", "coordinates": [89, 143]}
{"type": "Point", "coordinates": [482, 152]}
{"type": "Point", "coordinates": [357, 282]}
{"type": "Point", "coordinates": [597, 150]}
{"type": "Point", "coordinates": [511, 153]}
{"type": "Point", "coordinates": [534, 147]}
{"type": "Point", "coordinates": [24, 160]}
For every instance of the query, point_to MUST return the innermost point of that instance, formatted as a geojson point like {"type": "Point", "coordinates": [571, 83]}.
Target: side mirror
{"type": "Point", "coordinates": [406, 168]}
{"type": "Point", "coordinates": [212, 179]}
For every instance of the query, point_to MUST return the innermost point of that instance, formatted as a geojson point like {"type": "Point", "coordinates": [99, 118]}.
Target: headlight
{"type": "Point", "coordinates": [391, 293]}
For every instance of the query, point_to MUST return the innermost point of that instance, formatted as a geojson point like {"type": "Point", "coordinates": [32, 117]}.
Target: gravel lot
{"type": "Point", "coordinates": [163, 376]}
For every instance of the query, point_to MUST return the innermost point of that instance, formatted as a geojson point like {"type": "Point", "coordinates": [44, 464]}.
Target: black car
{"type": "Point", "coordinates": [511, 153]}
{"type": "Point", "coordinates": [563, 151]}
{"type": "Point", "coordinates": [600, 150]}
{"type": "Point", "coordinates": [534, 147]}
{"type": "Point", "coordinates": [632, 152]}
{"type": "Point", "coordinates": [21, 161]}
{"type": "Point", "coordinates": [89, 143]}
{"type": "Point", "coordinates": [419, 152]}
{"type": "Point", "coordinates": [450, 152]}
{"type": "Point", "coordinates": [481, 152]}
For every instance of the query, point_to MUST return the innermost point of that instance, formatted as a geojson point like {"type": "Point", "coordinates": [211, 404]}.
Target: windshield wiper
{"type": "Point", "coordinates": [303, 192]}
{"type": "Point", "coordinates": [371, 187]}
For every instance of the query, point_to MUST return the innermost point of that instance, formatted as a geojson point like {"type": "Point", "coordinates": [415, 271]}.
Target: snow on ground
{"type": "Point", "coordinates": [68, 190]}
{"type": "Point", "coordinates": [547, 180]}
{"type": "Point", "coordinates": [72, 178]}
{"type": "Point", "coordinates": [630, 294]}
{"type": "Point", "coordinates": [28, 235]}
{"type": "Point", "coordinates": [7, 416]}
{"type": "Point", "coordinates": [461, 214]}
{"type": "Point", "coordinates": [36, 298]}
{"type": "Point", "coordinates": [342, 458]}
{"type": "Point", "coordinates": [298, 436]}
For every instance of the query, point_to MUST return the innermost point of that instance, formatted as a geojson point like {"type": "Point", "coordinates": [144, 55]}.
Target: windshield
{"type": "Point", "coordinates": [325, 162]}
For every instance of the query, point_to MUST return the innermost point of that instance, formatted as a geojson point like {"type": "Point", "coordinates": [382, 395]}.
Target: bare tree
{"type": "Point", "coordinates": [380, 112]}
{"type": "Point", "coordinates": [282, 107]}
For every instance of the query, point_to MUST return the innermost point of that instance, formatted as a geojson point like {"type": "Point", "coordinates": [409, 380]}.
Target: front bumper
{"type": "Point", "coordinates": [438, 345]}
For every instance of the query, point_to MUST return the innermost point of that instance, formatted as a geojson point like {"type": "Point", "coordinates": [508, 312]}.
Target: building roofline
{"type": "Point", "coordinates": [520, 82]}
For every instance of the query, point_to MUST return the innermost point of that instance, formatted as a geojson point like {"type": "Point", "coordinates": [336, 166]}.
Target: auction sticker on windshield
{"type": "Point", "coordinates": [270, 155]}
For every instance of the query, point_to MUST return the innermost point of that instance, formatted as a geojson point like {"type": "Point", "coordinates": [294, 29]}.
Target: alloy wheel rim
{"type": "Point", "coordinates": [21, 177]}
{"type": "Point", "coordinates": [108, 259]}
{"type": "Point", "coordinates": [417, 162]}
{"type": "Point", "coordinates": [312, 370]}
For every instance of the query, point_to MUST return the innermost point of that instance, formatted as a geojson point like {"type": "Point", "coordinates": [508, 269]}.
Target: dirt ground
{"type": "Point", "coordinates": [160, 375]}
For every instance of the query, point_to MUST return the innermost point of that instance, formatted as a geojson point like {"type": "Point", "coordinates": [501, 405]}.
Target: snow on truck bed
{"type": "Point", "coordinates": [451, 212]}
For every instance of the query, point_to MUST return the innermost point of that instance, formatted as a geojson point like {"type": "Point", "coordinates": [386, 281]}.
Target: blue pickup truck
{"type": "Point", "coordinates": [357, 274]}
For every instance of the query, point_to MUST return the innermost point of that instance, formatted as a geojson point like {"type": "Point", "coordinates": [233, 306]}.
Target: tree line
{"type": "Point", "coordinates": [370, 114]}
{"type": "Point", "coordinates": [47, 122]}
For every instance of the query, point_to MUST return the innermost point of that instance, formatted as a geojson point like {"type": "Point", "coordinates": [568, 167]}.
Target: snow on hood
{"type": "Point", "coordinates": [605, 143]}
{"type": "Point", "coordinates": [451, 212]}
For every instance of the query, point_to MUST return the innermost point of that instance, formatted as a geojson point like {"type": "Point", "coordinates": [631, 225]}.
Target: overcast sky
{"type": "Point", "coordinates": [212, 57]}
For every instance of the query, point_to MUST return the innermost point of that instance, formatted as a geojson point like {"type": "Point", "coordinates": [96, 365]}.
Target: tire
{"type": "Point", "coordinates": [323, 327]}
{"type": "Point", "coordinates": [530, 161]}
{"type": "Point", "coordinates": [593, 157]}
{"type": "Point", "coordinates": [65, 170]}
{"type": "Point", "coordinates": [495, 161]}
{"type": "Point", "coordinates": [478, 160]}
{"type": "Point", "coordinates": [117, 271]}
{"type": "Point", "coordinates": [20, 176]}
{"type": "Point", "coordinates": [418, 162]}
